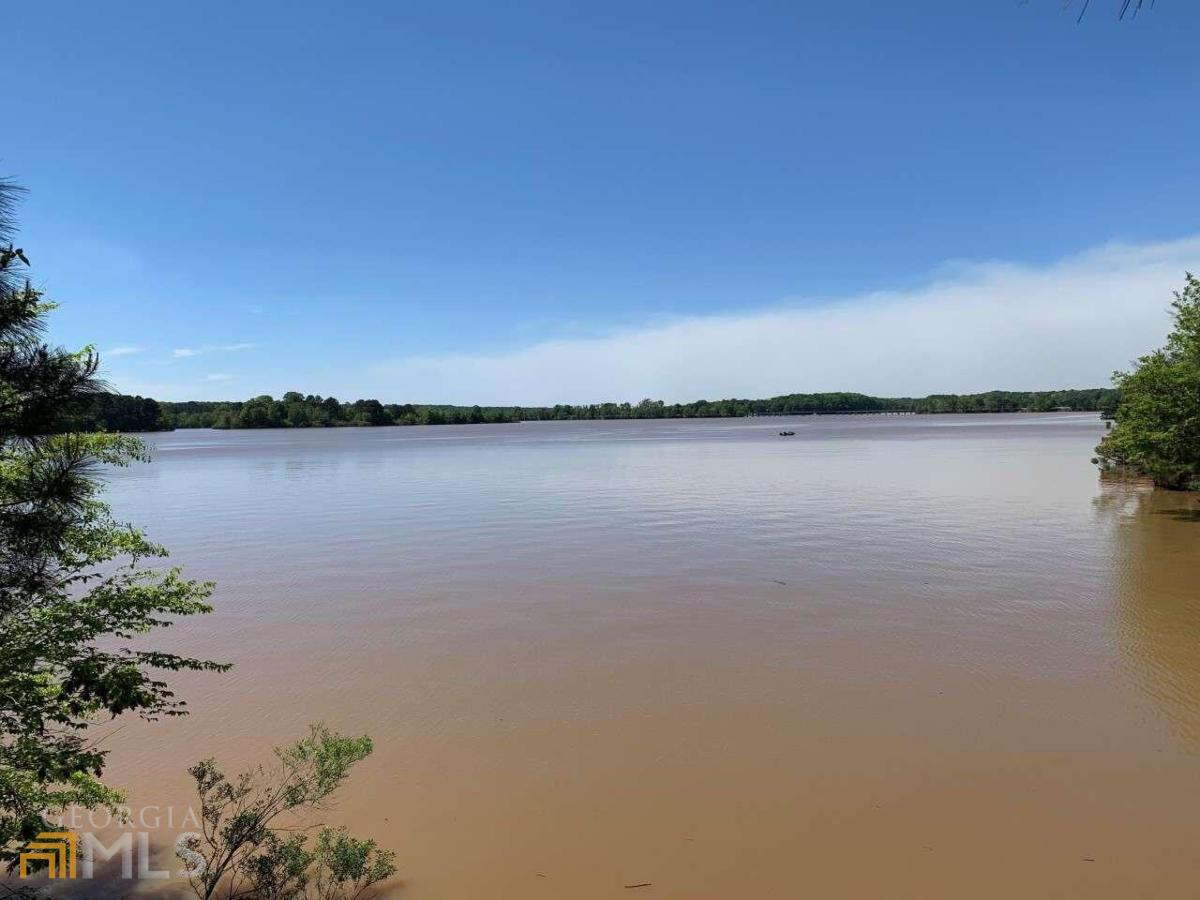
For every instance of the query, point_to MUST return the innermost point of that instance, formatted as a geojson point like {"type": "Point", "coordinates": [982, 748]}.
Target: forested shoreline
{"type": "Point", "coordinates": [116, 412]}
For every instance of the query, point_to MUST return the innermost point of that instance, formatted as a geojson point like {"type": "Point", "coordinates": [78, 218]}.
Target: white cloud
{"type": "Point", "coordinates": [204, 387]}
{"type": "Point", "coordinates": [185, 352]}
{"type": "Point", "coordinates": [121, 351]}
{"type": "Point", "coordinates": [218, 376]}
{"type": "Point", "coordinates": [985, 326]}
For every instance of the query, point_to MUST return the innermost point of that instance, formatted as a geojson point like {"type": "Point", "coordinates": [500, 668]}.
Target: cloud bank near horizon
{"type": "Point", "coordinates": [978, 327]}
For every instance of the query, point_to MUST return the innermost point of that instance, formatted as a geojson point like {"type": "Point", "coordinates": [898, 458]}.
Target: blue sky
{"type": "Point", "coordinates": [543, 202]}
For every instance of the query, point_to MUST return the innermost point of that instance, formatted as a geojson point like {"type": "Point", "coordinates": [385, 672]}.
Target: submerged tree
{"type": "Point", "coordinates": [255, 843]}
{"type": "Point", "coordinates": [73, 585]}
{"type": "Point", "coordinates": [1157, 431]}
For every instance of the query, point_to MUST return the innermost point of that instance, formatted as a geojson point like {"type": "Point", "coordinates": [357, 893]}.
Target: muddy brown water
{"type": "Point", "coordinates": [886, 657]}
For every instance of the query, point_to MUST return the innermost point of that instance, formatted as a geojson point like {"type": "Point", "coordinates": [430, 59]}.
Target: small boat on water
{"type": "Point", "coordinates": [786, 433]}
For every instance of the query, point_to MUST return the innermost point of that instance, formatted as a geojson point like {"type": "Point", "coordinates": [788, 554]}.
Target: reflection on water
{"type": "Point", "coordinates": [888, 656]}
{"type": "Point", "coordinates": [1156, 569]}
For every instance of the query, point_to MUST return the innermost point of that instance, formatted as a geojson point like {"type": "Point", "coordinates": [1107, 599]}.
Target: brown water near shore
{"type": "Point", "coordinates": [887, 657]}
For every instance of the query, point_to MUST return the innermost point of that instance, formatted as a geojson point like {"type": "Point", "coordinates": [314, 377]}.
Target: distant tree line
{"type": "Point", "coordinates": [1102, 400]}
{"type": "Point", "coordinates": [296, 410]}
{"type": "Point", "coordinates": [103, 411]}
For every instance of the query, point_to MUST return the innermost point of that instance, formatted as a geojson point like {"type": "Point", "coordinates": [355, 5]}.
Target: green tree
{"type": "Point", "coordinates": [73, 587]}
{"type": "Point", "coordinates": [1157, 431]}
{"type": "Point", "coordinates": [253, 843]}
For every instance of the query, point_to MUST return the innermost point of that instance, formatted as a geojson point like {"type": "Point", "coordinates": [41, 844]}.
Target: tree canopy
{"type": "Point", "coordinates": [73, 585]}
{"type": "Point", "coordinates": [1157, 431]}
{"type": "Point", "coordinates": [104, 411]}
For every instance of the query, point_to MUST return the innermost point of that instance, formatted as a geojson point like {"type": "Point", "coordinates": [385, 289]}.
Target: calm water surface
{"type": "Point", "coordinates": [887, 657]}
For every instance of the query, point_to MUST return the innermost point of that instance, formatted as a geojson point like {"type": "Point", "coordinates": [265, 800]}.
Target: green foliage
{"type": "Point", "coordinates": [295, 410]}
{"type": "Point", "coordinates": [1157, 432]}
{"type": "Point", "coordinates": [73, 587]}
{"type": "Point", "coordinates": [116, 412]}
{"type": "Point", "coordinates": [254, 842]}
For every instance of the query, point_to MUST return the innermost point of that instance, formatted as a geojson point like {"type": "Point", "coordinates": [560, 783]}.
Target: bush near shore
{"type": "Point", "coordinates": [1157, 430]}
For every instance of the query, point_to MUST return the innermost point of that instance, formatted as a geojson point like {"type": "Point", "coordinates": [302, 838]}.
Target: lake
{"type": "Point", "coordinates": [891, 656]}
